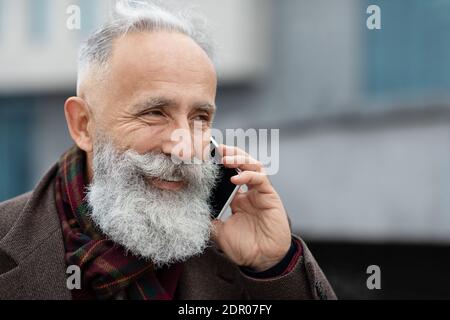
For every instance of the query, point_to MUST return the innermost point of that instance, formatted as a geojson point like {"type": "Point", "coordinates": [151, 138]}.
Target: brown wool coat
{"type": "Point", "coordinates": [32, 262]}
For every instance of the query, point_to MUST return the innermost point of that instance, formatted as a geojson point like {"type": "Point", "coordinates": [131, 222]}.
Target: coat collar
{"type": "Point", "coordinates": [35, 243]}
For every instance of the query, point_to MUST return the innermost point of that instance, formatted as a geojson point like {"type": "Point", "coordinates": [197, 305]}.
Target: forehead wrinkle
{"type": "Point", "coordinates": [161, 56]}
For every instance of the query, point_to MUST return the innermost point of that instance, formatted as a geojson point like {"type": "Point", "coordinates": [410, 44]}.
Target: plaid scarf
{"type": "Point", "coordinates": [107, 270]}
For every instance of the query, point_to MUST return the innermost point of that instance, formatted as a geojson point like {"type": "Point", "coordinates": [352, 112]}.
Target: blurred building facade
{"type": "Point", "coordinates": [363, 115]}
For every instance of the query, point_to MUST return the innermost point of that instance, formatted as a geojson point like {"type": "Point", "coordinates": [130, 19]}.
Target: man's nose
{"type": "Point", "coordinates": [179, 141]}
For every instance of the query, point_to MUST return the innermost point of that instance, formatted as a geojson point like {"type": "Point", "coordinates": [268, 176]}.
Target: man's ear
{"type": "Point", "coordinates": [79, 121]}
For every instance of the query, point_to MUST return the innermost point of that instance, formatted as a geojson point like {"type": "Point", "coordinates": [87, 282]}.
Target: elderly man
{"type": "Point", "coordinates": [115, 207]}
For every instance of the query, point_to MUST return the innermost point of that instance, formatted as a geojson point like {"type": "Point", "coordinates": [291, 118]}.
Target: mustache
{"type": "Point", "coordinates": [161, 166]}
{"type": "Point", "coordinates": [112, 162]}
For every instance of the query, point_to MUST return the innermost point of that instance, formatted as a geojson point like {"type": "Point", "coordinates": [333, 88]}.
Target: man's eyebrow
{"type": "Point", "coordinates": [205, 106]}
{"type": "Point", "coordinates": [150, 103]}
{"type": "Point", "coordinates": [160, 102]}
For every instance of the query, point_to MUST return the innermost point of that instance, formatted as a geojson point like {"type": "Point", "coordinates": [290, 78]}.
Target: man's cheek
{"type": "Point", "coordinates": [134, 141]}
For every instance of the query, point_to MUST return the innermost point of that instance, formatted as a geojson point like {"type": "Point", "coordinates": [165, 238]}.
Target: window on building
{"type": "Point", "coordinates": [89, 14]}
{"type": "Point", "coordinates": [15, 126]}
{"type": "Point", "coordinates": [38, 19]}
{"type": "Point", "coordinates": [2, 19]}
{"type": "Point", "coordinates": [410, 55]}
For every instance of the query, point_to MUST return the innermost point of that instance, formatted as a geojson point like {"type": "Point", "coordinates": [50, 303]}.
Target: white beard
{"type": "Point", "coordinates": [161, 225]}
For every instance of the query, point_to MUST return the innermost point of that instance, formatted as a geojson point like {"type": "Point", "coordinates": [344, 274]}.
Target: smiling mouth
{"type": "Point", "coordinates": [173, 184]}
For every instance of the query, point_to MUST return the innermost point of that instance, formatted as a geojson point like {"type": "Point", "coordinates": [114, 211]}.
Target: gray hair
{"type": "Point", "coordinates": [132, 16]}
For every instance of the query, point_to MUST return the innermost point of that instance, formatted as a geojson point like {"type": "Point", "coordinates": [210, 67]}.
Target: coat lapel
{"type": "Point", "coordinates": [36, 245]}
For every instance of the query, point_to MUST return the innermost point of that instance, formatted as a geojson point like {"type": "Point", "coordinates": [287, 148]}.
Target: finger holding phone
{"type": "Point", "coordinates": [257, 235]}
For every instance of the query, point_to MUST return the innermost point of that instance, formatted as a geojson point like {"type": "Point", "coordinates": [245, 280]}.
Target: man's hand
{"type": "Point", "coordinates": [257, 235]}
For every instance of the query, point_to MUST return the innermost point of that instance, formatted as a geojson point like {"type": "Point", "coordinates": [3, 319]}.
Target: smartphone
{"type": "Point", "coordinates": [224, 191]}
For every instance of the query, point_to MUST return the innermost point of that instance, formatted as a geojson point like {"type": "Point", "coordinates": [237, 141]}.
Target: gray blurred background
{"type": "Point", "coordinates": [363, 118]}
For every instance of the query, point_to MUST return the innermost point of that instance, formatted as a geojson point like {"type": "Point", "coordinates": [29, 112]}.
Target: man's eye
{"type": "Point", "coordinates": [203, 117]}
{"type": "Point", "coordinates": [155, 113]}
